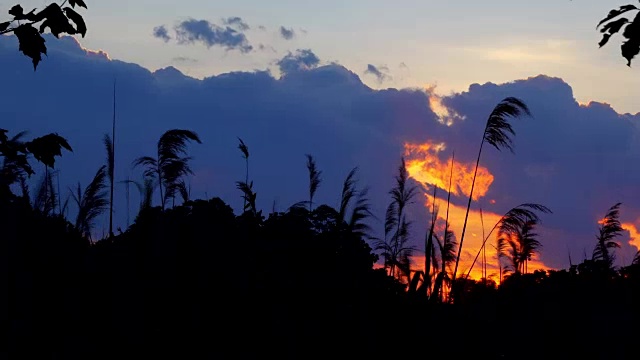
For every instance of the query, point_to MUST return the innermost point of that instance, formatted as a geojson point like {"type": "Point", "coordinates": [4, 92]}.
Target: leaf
{"type": "Point", "coordinates": [47, 147]}
{"type": "Point", "coordinates": [4, 25]}
{"type": "Point", "coordinates": [31, 43]}
{"type": "Point", "coordinates": [80, 3]}
{"type": "Point", "coordinates": [605, 39]}
{"type": "Point", "coordinates": [81, 27]}
{"type": "Point", "coordinates": [614, 26]}
{"type": "Point", "coordinates": [611, 28]}
{"type": "Point", "coordinates": [614, 13]}
{"type": "Point", "coordinates": [56, 21]}
{"type": "Point", "coordinates": [630, 49]}
{"type": "Point", "coordinates": [16, 11]}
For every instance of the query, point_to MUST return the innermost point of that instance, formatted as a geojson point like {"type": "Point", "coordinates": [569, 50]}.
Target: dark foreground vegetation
{"type": "Point", "coordinates": [196, 280]}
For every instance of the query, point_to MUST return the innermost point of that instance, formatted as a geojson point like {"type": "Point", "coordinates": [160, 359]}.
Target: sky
{"type": "Point", "coordinates": [357, 84]}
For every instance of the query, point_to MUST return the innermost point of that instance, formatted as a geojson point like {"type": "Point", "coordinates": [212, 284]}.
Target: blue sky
{"type": "Point", "coordinates": [448, 43]}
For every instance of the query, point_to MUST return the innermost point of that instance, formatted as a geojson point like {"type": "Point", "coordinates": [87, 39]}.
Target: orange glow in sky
{"type": "Point", "coordinates": [425, 166]}
{"type": "Point", "coordinates": [634, 234]}
{"type": "Point", "coordinates": [472, 243]}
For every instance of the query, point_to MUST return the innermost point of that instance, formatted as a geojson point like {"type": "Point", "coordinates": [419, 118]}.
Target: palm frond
{"type": "Point", "coordinates": [498, 130]}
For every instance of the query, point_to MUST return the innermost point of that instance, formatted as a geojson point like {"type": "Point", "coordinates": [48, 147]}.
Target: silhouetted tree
{"type": "Point", "coordinates": [59, 20]}
{"type": "Point", "coordinates": [497, 133]}
{"type": "Point", "coordinates": [169, 166]}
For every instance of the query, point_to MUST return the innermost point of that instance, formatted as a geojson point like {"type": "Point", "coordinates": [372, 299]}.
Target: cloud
{"type": "Point", "coordinates": [576, 159]}
{"type": "Point", "coordinates": [535, 51]}
{"type": "Point", "coordinates": [378, 72]}
{"type": "Point", "coordinates": [184, 59]}
{"type": "Point", "coordinates": [161, 33]}
{"type": "Point", "coordinates": [237, 22]}
{"type": "Point", "coordinates": [193, 31]}
{"type": "Point", "coordinates": [287, 34]}
{"type": "Point", "coordinates": [302, 59]}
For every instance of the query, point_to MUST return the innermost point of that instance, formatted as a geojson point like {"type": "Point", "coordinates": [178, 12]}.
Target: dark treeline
{"type": "Point", "coordinates": [190, 278]}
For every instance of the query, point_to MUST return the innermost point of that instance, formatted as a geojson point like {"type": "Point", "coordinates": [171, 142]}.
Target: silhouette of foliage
{"type": "Point", "coordinates": [57, 19]}
{"type": "Point", "coordinates": [497, 132]}
{"type": "Point", "coordinates": [91, 202]}
{"type": "Point", "coordinates": [16, 152]}
{"type": "Point", "coordinates": [613, 24]}
{"type": "Point", "coordinates": [512, 222]}
{"type": "Point", "coordinates": [610, 228]}
{"type": "Point", "coordinates": [169, 165]}
{"type": "Point", "coordinates": [314, 178]}
{"type": "Point", "coordinates": [195, 281]}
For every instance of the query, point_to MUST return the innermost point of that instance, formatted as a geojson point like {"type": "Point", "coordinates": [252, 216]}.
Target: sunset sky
{"type": "Point", "coordinates": [357, 83]}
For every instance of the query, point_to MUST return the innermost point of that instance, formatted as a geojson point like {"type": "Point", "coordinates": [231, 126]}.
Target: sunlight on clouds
{"type": "Point", "coordinates": [551, 51]}
{"type": "Point", "coordinates": [446, 116]}
{"type": "Point", "coordinates": [634, 234]}
{"type": "Point", "coordinates": [425, 166]}
{"type": "Point", "coordinates": [472, 244]}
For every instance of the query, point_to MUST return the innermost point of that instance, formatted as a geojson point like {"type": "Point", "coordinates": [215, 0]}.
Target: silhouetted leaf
{"type": "Point", "coordinates": [80, 3]}
{"type": "Point", "coordinates": [611, 28]}
{"type": "Point", "coordinates": [56, 21]}
{"type": "Point", "coordinates": [4, 25]}
{"type": "Point", "coordinates": [16, 11]}
{"type": "Point", "coordinates": [630, 49]}
{"type": "Point", "coordinates": [616, 12]}
{"type": "Point", "coordinates": [81, 27]}
{"type": "Point", "coordinates": [31, 43]}
{"type": "Point", "coordinates": [47, 147]}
